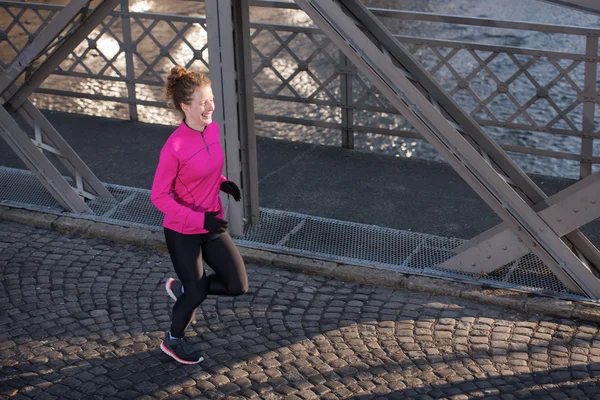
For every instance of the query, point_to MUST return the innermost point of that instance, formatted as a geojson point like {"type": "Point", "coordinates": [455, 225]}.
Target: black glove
{"type": "Point", "coordinates": [232, 189]}
{"type": "Point", "coordinates": [214, 224]}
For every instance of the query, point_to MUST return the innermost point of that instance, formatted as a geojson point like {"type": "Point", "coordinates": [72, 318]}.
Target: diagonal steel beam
{"type": "Point", "coordinates": [46, 172]}
{"type": "Point", "coordinates": [87, 184]}
{"type": "Point", "coordinates": [591, 6]}
{"type": "Point", "coordinates": [41, 42]}
{"type": "Point", "coordinates": [75, 37]}
{"type": "Point", "coordinates": [47, 138]}
{"type": "Point", "coordinates": [397, 84]}
{"type": "Point", "coordinates": [564, 212]}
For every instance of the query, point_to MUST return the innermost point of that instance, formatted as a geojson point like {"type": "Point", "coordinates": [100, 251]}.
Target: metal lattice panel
{"type": "Point", "coordinates": [29, 22]}
{"type": "Point", "coordinates": [101, 55]}
{"type": "Point", "coordinates": [25, 24]}
{"type": "Point", "coordinates": [154, 38]}
{"type": "Point", "coordinates": [295, 66]}
{"type": "Point", "coordinates": [487, 87]}
{"type": "Point", "coordinates": [528, 271]}
{"type": "Point", "coordinates": [289, 232]}
{"type": "Point", "coordinates": [18, 187]}
{"type": "Point", "coordinates": [552, 105]}
{"type": "Point", "coordinates": [129, 204]}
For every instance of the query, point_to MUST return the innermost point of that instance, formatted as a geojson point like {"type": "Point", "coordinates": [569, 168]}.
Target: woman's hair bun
{"type": "Point", "coordinates": [181, 84]}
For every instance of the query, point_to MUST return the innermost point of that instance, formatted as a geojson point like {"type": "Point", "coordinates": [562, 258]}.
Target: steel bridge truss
{"type": "Point", "coordinates": [532, 222]}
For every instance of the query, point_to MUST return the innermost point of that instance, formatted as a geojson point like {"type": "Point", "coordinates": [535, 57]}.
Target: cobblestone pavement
{"type": "Point", "coordinates": [83, 318]}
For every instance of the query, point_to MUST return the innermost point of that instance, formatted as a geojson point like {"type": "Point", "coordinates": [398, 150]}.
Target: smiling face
{"type": "Point", "coordinates": [198, 113]}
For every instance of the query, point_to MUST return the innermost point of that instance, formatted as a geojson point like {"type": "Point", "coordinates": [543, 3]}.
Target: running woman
{"type": "Point", "coordinates": [186, 190]}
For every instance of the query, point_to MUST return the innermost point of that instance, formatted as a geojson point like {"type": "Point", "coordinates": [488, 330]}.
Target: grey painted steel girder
{"type": "Point", "coordinates": [564, 213]}
{"type": "Point", "coordinates": [591, 6]}
{"type": "Point", "coordinates": [229, 62]}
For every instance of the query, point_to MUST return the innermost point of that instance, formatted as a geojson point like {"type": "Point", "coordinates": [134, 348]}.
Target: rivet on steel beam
{"type": "Point", "coordinates": [542, 92]}
{"type": "Point", "coordinates": [559, 220]}
{"type": "Point", "coordinates": [503, 247]}
{"type": "Point", "coordinates": [593, 201]}
{"type": "Point", "coordinates": [473, 264]}
{"type": "Point", "coordinates": [576, 211]}
{"type": "Point", "coordinates": [488, 257]}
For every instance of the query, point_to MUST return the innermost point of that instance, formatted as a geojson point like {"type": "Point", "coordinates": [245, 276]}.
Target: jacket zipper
{"type": "Point", "coordinates": [205, 145]}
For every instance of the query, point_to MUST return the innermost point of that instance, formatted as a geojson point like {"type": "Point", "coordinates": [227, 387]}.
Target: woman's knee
{"type": "Point", "coordinates": [237, 288]}
{"type": "Point", "coordinates": [196, 293]}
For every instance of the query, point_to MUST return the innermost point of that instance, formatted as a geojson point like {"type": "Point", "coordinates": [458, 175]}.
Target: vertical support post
{"type": "Point", "coordinates": [347, 108]}
{"type": "Point", "coordinates": [589, 106]}
{"type": "Point", "coordinates": [233, 108]}
{"type": "Point", "coordinates": [243, 54]}
{"type": "Point", "coordinates": [129, 50]}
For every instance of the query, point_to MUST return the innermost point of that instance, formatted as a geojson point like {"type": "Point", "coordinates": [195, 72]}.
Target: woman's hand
{"type": "Point", "coordinates": [214, 224]}
{"type": "Point", "coordinates": [231, 188]}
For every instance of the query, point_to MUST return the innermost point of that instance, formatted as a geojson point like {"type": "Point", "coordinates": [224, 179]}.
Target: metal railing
{"type": "Point", "coordinates": [300, 78]}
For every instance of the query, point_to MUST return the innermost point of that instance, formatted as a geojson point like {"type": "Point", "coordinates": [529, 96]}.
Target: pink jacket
{"type": "Point", "coordinates": [188, 178]}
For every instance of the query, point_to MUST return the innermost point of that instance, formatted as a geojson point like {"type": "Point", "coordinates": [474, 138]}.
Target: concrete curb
{"type": "Point", "coordinates": [587, 311]}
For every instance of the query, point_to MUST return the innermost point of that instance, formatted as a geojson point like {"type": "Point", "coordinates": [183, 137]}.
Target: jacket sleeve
{"type": "Point", "coordinates": [160, 195]}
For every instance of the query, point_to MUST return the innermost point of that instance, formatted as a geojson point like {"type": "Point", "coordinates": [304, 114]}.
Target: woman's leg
{"type": "Point", "coordinates": [186, 255]}
{"type": "Point", "coordinates": [230, 278]}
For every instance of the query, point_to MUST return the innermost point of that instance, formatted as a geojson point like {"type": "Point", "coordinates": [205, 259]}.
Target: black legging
{"type": "Point", "coordinates": [187, 253]}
